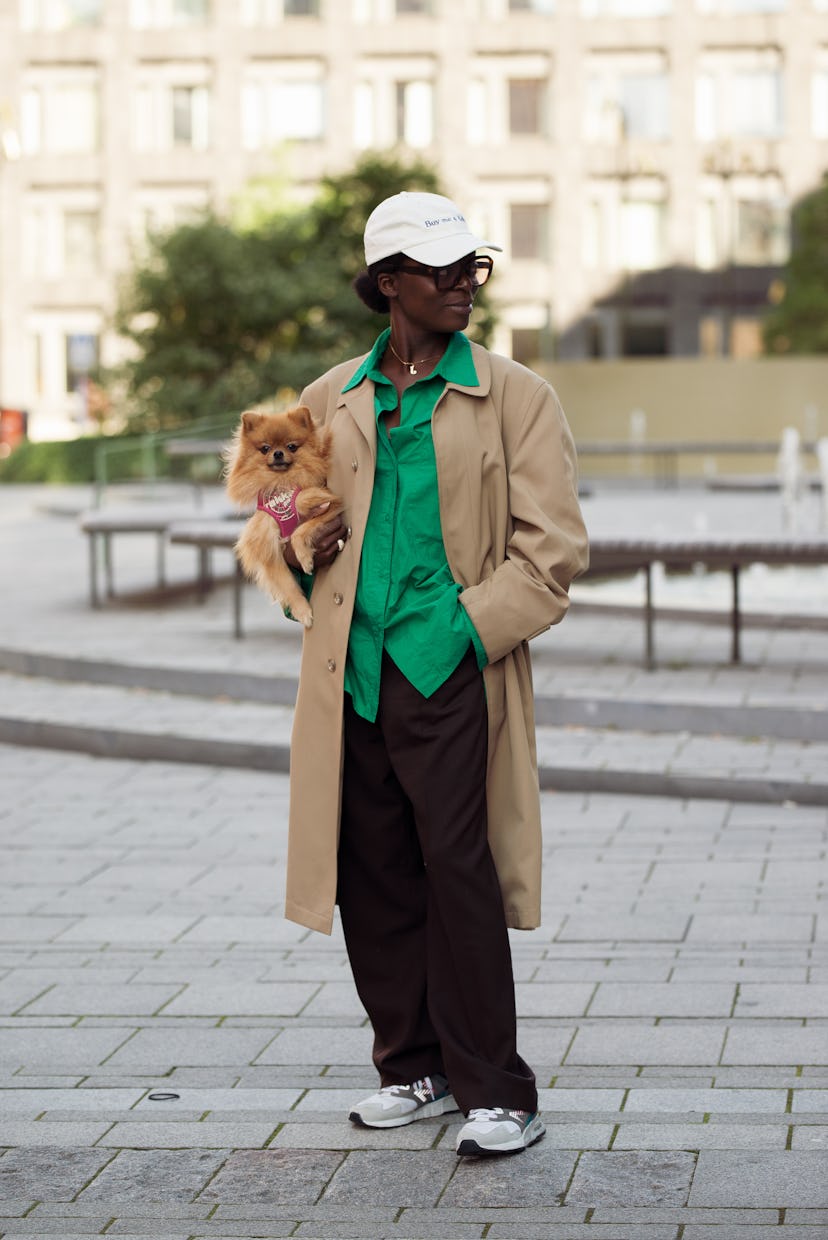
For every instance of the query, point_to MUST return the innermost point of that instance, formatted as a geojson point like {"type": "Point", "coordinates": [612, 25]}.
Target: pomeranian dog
{"type": "Point", "coordinates": [279, 462]}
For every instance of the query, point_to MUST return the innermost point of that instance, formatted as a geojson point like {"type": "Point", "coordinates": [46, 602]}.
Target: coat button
{"type": "Point", "coordinates": [338, 599]}
{"type": "Point", "coordinates": [354, 464]}
{"type": "Point", "coordinates": [331, 665]}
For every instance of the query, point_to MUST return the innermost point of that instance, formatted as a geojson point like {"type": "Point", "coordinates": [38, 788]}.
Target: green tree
{"type": "Point", "coordinates": [222, 313]}
{"type": "Point", "coordinates": [798, 322]}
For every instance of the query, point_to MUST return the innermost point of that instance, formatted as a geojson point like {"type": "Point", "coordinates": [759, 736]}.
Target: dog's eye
{"type": "Point", "coordinates": [265, 448]}
{"type": "Point", "coordinates": [292, 447]}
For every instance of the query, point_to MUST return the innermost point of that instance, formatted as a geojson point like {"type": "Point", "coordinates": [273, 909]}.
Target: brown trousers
{"type": "Point", "coordinates": [419, 897]}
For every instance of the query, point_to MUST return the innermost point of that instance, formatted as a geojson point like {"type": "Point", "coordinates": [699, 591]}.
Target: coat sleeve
{"type": "Point", "coordinates": [546, 541]}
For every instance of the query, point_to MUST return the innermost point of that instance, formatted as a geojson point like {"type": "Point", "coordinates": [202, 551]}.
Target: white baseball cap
{"type": "Point", "coordinates": [426, 227]}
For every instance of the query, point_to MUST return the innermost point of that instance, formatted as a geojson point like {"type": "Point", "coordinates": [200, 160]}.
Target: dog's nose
{"type": "Point", "coordinates": [278, 454]}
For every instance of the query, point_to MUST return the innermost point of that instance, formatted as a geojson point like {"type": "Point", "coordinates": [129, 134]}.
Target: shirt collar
{"type": "Point", "coordinates": [455, 366]}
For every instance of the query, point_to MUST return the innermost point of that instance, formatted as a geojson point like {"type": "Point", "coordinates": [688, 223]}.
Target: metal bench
{"type": "Point", "coordinates": [613, 555]}
{"type": "Point", "coordinates": [101, 525]}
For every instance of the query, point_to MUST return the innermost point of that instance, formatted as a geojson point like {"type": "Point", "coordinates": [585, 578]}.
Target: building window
{"type": "Point", "coordinates": [642, 234]}
{"type": "Point", "coordinates": [643, 334]}
{"type": "Point", "coordinates": [545, 7]}
{"type": "Point", "coordinates": [739, 101]}
{"type": "Point", "coordinates": [82, 352]}
{"type": "Point", "coordinates": [741, 6]}
{"type": "Point", "coordinates": [59, 117]}
{"type": "Point", "coordinates": [414, 113]}
{"type": "Point", "coordinates": [161, 14]}
{"type": "Point", "coordinates": [190, 117]}
{"type": "Point", "coordinates": [529, 230]}
{"type": "Point", "coordinates": [275, 110]}
{"type": "Point", "coordinates": [271, 12]}
{"type": "Point", "coordinates": [527, 98]}
{"type": "Point", "coordinates": [624, 102]}
{"type": "Point", "coordinates": [59, 14]}
{"type": "Point", "coordinates": [170, 113]}
{"type": "Point", "coordinates": [761, 233]}
{"type": "Point", "coordinates": [819, 103]}
{"type": "Point", "coordinates": [81, 242]}
{"type": "Point", "coordinates": [626, 8]}
{"type": "Point", "coordinates": [394, 103]}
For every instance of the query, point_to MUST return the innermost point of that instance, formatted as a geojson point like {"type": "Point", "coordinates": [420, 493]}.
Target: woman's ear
{"type": "Point", "coordinates": [387, 283]}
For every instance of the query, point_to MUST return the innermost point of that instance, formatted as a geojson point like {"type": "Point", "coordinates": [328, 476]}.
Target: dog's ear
{"type": "Point", "coordinates": [250, 420]}
{"type": "Point", "coordinates": [301, 416]}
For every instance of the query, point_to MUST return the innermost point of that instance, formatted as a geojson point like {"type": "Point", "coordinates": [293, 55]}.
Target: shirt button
{"type": "Point", "coordinates": [338, 599]}
{"type": "Point", "coordinates": [331, 665]}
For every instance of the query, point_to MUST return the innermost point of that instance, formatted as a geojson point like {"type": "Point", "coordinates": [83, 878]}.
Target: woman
{"type": "Point", "coordinates": [414, 792]}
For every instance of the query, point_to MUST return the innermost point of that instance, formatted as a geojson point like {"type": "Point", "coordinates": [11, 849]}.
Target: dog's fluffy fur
{"type": "Point", "coordinates": [275, 453]}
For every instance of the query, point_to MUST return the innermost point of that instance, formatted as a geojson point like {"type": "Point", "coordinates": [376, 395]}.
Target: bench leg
{"type": "Point", "coordinates": [735, 618]}
{"type": "Point", "coordinates": [204, 574]}
{"type": "Point", "coordinates": [109, 575]}
{"type": "Point", "coordinates": [159, 557]}
{"type": "Point", "coordinates": [94, 595]}
{"type": "Point", "coordinates": [649, 642]}
{"type": "Point", "coordinates": [238, 586]}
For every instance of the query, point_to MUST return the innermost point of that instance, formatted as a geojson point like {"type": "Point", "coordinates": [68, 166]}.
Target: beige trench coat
{"type": "Point", "coordinates": [514, 539]}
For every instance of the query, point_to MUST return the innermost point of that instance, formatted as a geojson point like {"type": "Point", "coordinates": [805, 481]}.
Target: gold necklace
{"type": "Point", "coordinates": [412, 366]}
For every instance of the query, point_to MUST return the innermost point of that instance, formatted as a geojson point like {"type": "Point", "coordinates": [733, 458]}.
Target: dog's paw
{"type": "Point", "coordinates": [303, 613]}
{"type": "Point", "coordinates": [305, 557]}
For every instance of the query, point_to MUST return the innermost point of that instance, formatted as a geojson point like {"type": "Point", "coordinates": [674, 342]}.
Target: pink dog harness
{"type": "Point", "coordinates": [282, 508]}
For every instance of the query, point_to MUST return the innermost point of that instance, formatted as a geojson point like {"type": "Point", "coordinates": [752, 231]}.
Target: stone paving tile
{"type": "Point", "coordinates": [787, 1043]}
{"type": "Point", "coordinates": [681, 1101]}
{"type": "Point", "coordinates": [634, 1179]}
{"type": "Point", "coordinates": [663, 999]}
{"type": "Point", "coordinates": [101, 998]}
{"type": "Point", "coordinates": [33, 1101]}
{"type": "Point", "coordinates": [552, 998]}
{"type": "Point", "coordinates": [135, 1176]}
{"type": "Point", "coordinates": [759, 1178]}
{"type": "Point", "coordinates": [161, 1049]}
{"type": "Point", "coordinates": [33, 1047]}
{"type": "Point", "coordinates": [55, 1174]}
{"type": "Point", "coordinates": [291, 1178]}
{"type": "Point", "coordinates": [179, 1134]}
{"type": "Point", "coordinates": [223, 998]}
{"type": "Point", "coordinates": [321, 1046]}
{"type": "Point", "coordinates": [338, 1134]}
{"type": "Point", "coordinates": [651, 1136]}
{"type": "Point", "coordinates": [220, 1101]}
{"type": "Point", "coordinates": [641, 1044]}
{"type": "Point", "coordinates": [408, 1178]}
{"type": "Point", "coordinates": [27, 1133]}
{"type": "Point", "coordinates": [810, 1137]}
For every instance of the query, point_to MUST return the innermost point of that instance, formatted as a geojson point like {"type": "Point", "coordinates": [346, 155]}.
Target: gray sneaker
{"type": "Point", "coordinates": [494, 1130]}
{"type": "Point", "coordinates": [396, 1105]}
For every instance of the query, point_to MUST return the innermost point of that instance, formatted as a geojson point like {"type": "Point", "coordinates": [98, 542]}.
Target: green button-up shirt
{"type": "Point", "coordinates": [406, 600]}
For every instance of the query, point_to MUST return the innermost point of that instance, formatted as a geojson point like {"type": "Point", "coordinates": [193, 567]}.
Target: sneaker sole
{"type": "Point", "coordinates": [430, 1109]}
{"type": "Point", "coordinates": [521, 1143]}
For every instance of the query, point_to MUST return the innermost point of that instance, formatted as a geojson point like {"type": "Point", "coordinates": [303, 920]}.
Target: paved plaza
{"type": "Point", "coordinates": [177, 1061]}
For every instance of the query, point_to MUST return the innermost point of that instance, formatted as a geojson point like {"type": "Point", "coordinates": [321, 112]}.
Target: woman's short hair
{"type": "Point", "coordinates": [366, 287]}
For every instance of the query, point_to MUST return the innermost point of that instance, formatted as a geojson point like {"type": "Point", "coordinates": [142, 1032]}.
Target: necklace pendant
{"type": "Point", "coordinates": [412, 370]}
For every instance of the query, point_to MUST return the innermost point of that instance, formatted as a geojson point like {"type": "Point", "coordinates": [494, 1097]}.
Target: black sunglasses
{"type": "Point", "coordinates": [477, 269]}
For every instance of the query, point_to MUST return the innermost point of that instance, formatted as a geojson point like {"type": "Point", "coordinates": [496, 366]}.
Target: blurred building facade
{"type": "Point", "coordinates": [637, 158]}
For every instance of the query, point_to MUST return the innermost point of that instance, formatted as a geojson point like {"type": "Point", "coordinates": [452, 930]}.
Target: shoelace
{"type": "Point", "coordinates": [424, 1084]}
{"type": "Point", "coordinates": [497, 1113]}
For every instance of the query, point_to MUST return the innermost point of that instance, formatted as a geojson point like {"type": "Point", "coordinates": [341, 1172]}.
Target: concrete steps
{"type": "Point", "coordinates": [224, 719]}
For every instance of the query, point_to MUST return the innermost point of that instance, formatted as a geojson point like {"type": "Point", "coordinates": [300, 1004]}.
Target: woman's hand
{"type": "Point", "coordinates": [330, 538]}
